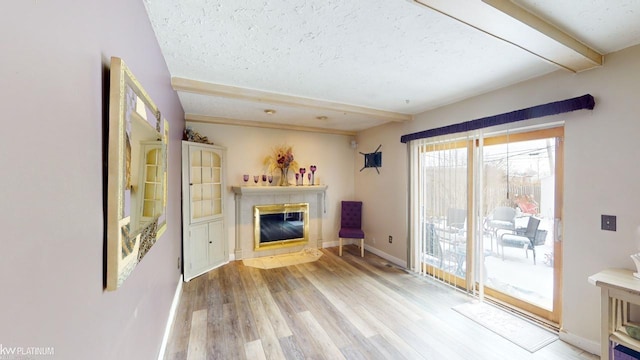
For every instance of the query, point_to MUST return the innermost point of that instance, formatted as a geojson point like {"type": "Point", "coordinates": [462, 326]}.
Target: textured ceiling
{"type": "Point", "coordinates": [391, 55]}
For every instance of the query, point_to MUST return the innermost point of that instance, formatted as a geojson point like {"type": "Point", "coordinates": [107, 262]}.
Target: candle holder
{"type": "Point", "coordinates": [302, 171]}
{"type": "Point", "coordinates": [313, 169]}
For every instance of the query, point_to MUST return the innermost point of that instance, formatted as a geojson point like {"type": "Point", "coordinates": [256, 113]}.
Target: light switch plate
{"type": "Point", "coordinates": [608, 222]}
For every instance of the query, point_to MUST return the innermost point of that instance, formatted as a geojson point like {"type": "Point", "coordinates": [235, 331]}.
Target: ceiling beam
{"type": "Point", "coordinates": [211, 89]}
{"type": "Point", "coordinates": [224, 121]}
{"type": "Point", "coordinates": [510, 22]}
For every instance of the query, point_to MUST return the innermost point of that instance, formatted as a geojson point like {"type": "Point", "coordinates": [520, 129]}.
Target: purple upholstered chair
{"type": "Point", "coordinates": [351, 224]}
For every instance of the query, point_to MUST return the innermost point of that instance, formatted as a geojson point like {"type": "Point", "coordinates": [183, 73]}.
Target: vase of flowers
{"type": "Point", "coordinates": [281, 159]}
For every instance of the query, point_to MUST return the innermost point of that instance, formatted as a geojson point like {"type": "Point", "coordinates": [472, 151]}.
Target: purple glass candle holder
{"type": "Point", "coordinates": [313, 174]}
{"type": "Point", "coordinates": [309, 177]}
{"type": "Point", "coordinates": [302, 171]}
{"type": "Point", "coordinates": [297, 179]}
{"type": "Point", "coordinates": [270, 178]}
{"type": "Point", "coordinates": [245, 178]}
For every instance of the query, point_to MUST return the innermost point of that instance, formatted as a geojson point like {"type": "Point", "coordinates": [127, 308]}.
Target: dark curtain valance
{"type": "Point", "coordinates": [557, 107]}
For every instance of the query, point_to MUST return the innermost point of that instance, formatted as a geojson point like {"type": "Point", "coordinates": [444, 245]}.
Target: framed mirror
{"type": "Point", "coordinates": [137, 174]}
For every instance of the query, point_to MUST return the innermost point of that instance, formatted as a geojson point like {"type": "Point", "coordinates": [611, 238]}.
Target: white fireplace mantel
{"type": "Point", "coordinates": [246, 197]}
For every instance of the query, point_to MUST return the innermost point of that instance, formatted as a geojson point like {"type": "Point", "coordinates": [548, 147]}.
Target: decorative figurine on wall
{"type": "Point", "coordinates": [373, 159]}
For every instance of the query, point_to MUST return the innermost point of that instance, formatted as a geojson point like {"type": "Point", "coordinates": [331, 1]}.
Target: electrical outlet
{"type": "Point", "coordinates": [390, 239]}
{"type": "Point", "coordinates": [608, 222]}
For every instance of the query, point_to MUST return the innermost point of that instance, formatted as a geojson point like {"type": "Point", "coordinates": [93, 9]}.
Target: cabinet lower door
{"type": "Point", "coordinates": [205, 248]}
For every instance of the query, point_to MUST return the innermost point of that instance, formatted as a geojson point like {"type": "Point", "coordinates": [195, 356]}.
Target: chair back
{"type": "Point", "coordinates": [456, 218]}
{"type": "Point", "coordinates": [504, 213]}
{"type": "Point", "coordinates": [351, 215]}
{"type": "Point", "coordinates": [532, 228]}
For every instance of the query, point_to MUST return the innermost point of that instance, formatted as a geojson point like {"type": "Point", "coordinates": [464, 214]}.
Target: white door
{"type": "Point", "coordinates": [204, 243]}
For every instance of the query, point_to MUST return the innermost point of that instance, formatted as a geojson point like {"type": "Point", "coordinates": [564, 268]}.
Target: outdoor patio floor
{"type": "Point", "coordinates": [516, 275]}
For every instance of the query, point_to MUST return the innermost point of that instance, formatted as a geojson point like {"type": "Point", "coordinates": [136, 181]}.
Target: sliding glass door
{"type": "Point", "coordinates": [486, 211]}
{"type": "Point", "coordinates": [522, 206]}
{"type": "Point", "coordinates": [443, 191]}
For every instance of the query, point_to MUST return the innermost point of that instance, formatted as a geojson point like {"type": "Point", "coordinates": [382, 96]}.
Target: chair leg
{"type": "Point", "coordinates": [340, 247]}
{"type": "Point", "coordinates": [361, 247]}
{"type": "Point", "coordinates": [532, 247]}
{"type": "Point", "coordinates": [534, 255]}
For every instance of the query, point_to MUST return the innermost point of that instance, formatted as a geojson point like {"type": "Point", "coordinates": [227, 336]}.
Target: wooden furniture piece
{"type": "Point", "coordinates": [204, 244]}
{"type": "Point", "coordinates": [351, 224]}
{"type": "Point", "coordinates": [619, 289]}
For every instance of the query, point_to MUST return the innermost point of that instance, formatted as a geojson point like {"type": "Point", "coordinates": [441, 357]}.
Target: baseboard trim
{"type": "Point", "coordinates": [328, 244]}
{"type": "Point", "coordinates": [580, 342]}
{"type": "Point", "coordinates": [170, 320]}
{"type": "Point", "coordinates": [384, 255]}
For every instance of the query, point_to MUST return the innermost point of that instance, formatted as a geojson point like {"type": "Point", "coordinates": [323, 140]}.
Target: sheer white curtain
{"type": "Point", "coordinates": [440, 171]}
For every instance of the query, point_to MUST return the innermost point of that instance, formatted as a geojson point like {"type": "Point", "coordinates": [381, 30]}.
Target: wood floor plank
{"type": "Point", "coordinates": [320, 336]}
{"type": "Point", "coordinates": [254, 350]}
{"type": "Point", "coordinates": [240, 298]}
{"type": "Point", "coordinates": [269, 306]}
{"type": "Point", "coordinates": [348, 307]}
{"type": "Point", "coordinates": [232, 340]}
{"type": "Point", "coordinates": [260, 313]}
{"type": "Point", "coordinates": [292, 349]}
{"type": "Point", "coordinates": [332, 293]}
{"type": "Point", "coordinates": [198, 336]}
{"type": "Point", "coordinates": [389, 336]}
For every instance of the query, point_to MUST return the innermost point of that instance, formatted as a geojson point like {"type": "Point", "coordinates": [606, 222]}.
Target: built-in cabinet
{"type": "Point", "coordinates": [204, 245]}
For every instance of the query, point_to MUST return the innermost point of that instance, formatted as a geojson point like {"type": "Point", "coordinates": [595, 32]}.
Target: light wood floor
{"type": "Point", "coordinates": [335, 308]}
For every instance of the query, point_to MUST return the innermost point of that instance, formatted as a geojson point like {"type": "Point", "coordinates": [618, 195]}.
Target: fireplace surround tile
{"type": "Point", "coordinates": [246, 197]}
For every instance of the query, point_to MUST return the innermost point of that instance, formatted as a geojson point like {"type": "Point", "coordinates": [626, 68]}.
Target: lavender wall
{"type": "Point", "coordinates": [52, 71]}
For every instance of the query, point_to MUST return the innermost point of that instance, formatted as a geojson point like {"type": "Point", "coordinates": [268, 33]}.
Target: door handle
{"type": "Point", "coordinates": [557, 230]}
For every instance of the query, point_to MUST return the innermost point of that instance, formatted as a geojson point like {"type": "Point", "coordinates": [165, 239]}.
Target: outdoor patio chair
{"type": "Point", "coordinates": [456, 219]}
{"type": "Point", "coordinates": [527, 239]}
{"type": "Point", "coordinates": [440, 253]}
{"type": "Point", "coordinates": [502, 218]}
{"type": "Point", "coordinates": [454, 227]}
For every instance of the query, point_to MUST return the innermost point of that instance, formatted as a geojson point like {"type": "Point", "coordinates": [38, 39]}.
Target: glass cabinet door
{"type": "Point", "coordinates": [205, 184]}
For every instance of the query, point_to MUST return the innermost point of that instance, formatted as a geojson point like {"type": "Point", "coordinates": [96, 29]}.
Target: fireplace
{"type": "Point", "coordinates": [280, 225]}
{"type": "Point", "coordinates": [248, 197]}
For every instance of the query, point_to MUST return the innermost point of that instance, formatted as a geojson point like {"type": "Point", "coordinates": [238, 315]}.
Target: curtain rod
{"type": "Point", "coordinates": [552, 108]}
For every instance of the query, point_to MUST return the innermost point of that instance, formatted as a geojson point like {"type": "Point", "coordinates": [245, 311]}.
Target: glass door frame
{"type": "Point", "coordinates": [474, 224]}
{"type": "Point", "coordinates": [554, 316]}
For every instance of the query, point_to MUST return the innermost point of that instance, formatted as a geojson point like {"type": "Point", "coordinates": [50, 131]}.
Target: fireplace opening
{"type": "Point", "coordinates": [280, 225]}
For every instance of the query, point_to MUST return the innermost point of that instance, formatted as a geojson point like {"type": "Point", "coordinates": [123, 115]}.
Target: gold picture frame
{"type": "Point", "coordinates": [137, 175]}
